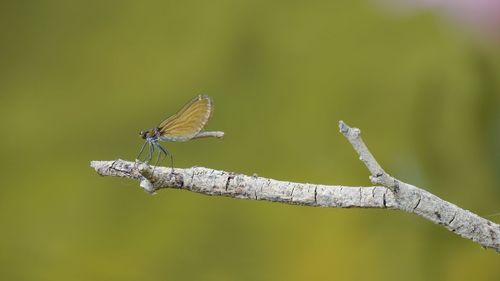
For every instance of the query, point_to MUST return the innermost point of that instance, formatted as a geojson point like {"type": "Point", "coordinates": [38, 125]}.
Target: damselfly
{"type": "Point", "coordinates": [185, 125]}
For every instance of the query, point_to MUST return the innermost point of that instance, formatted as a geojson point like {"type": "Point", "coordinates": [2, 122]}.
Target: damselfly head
{"type": "Point", "coordinates": [143, 134]}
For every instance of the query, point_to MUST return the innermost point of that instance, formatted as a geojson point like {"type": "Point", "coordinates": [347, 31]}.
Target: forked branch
{"type": "Point", "coordinates": [388, 193]}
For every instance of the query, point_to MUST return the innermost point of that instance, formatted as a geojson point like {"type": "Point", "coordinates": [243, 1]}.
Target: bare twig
{"type": "Point", "coordinates": [222, 183]}
{"type": "Point", "coordinates": [418, 201]}
{"type": "Point", "coordinates": [394, 194]}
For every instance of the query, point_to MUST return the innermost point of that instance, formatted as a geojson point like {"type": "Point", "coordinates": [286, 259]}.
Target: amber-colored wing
{"type": "Point", "coordinates": [189, 121]}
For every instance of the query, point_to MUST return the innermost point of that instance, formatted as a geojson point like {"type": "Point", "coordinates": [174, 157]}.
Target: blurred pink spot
{"type": "Point", "coordinates": [477, 15]}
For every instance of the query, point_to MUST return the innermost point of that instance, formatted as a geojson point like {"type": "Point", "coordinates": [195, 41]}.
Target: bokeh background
{"type": "Point", "coordinates": [79, 79]}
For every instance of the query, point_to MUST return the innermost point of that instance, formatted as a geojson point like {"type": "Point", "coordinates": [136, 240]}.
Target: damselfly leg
{"type": "Point", "coordinates": [157, 160]}
{"type": "Point", "coordinates": [167, 153]}
{"type": "Point", "coordinates": [140, 152]}
{"type": "Point", "coordinates": [161, 150]}
{"type": "Point", "coordinates": [151, 152]}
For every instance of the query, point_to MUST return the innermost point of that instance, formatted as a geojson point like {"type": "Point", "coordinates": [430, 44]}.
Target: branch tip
{"type": "Point", "coordinates": [347, 131]}
{"type": "Point", "coordinates": [343, 127]}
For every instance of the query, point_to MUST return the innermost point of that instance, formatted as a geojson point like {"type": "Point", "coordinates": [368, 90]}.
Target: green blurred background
{"type": "Point", "coordinates": [79, 79]}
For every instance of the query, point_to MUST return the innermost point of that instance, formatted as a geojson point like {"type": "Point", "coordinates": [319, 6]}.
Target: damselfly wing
{"type": "Point", "coordinates": [188, 122]}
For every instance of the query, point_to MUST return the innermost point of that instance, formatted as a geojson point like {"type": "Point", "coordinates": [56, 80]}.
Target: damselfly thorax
{"type": "Point", "coordinates": [150, 135]}
{"type": "Point", "coordinates": [185, 125]}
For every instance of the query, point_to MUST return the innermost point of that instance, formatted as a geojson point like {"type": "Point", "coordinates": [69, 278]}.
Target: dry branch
{"type": "Point", "coordinates": [392, 194]}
